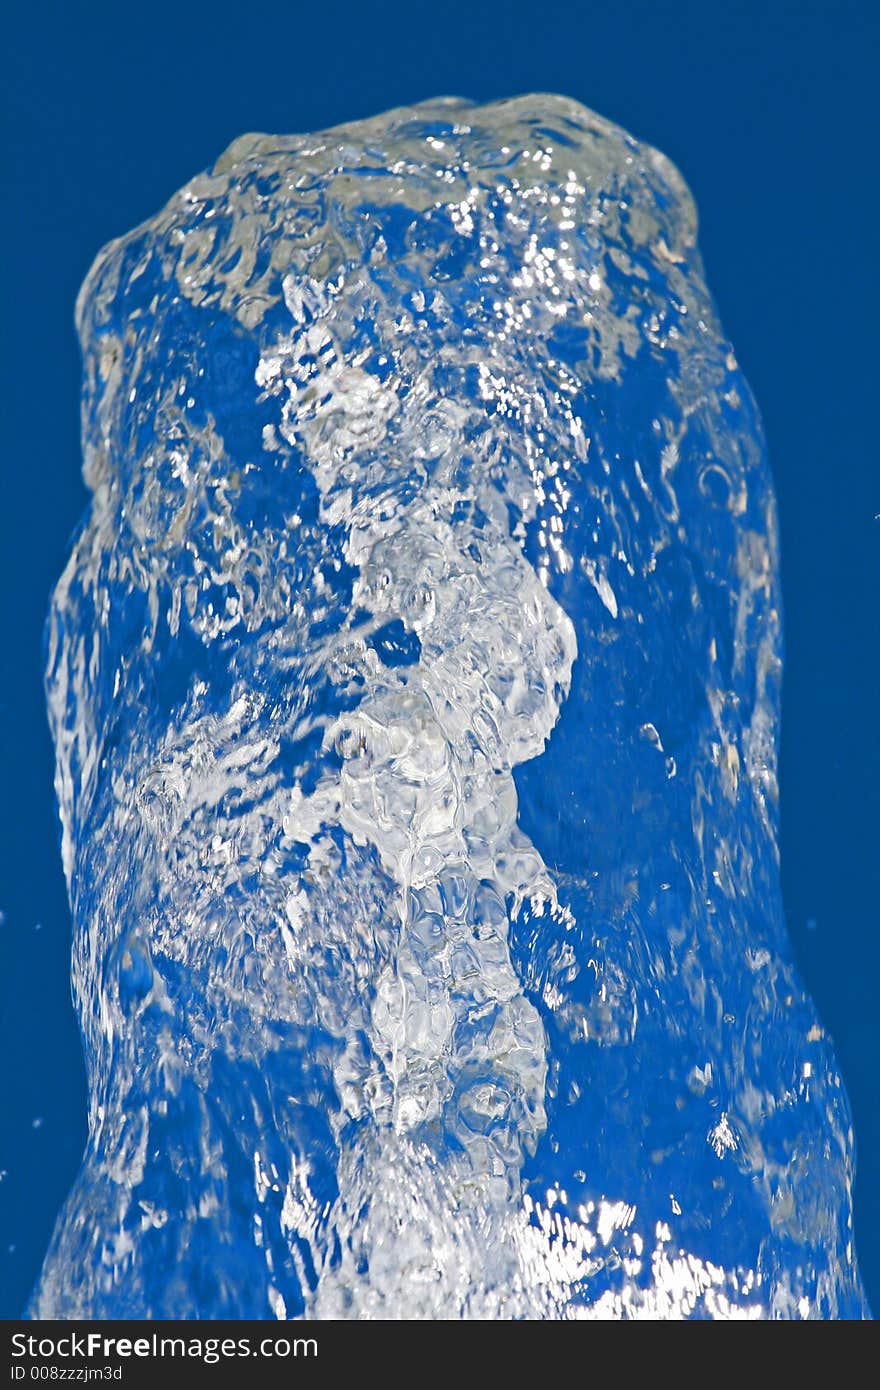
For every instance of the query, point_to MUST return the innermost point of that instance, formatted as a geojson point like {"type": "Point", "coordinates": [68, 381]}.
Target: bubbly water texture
{"type": "Point", "coordinates": [415, 686]}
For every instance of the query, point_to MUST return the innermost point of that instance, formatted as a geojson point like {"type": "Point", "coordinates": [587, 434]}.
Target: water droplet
{"type": "Point", "coordinates": [135, 971]}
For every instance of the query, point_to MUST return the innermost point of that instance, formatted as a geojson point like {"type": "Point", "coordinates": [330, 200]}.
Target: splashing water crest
{"type": "Point", "coordinates": [414, 682]}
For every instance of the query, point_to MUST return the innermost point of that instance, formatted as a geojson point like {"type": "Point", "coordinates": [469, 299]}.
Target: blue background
{"type": "Point", "coordinates": [769, 110]}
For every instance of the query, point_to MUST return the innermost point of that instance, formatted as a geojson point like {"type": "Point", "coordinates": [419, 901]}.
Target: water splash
{"type": "Point", "coordinates": [414, 682]}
